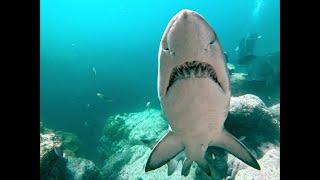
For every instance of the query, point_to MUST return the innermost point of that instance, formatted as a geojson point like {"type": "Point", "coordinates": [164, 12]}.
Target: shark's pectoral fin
{"type": "Point", "coordinates": [167, 148]}
{"type": "Point", "coordinates": [228, 142]}
{"type": "Point", "coordinates": [172, 166]}
{"type": "Point", "coordinates": [186, 167]}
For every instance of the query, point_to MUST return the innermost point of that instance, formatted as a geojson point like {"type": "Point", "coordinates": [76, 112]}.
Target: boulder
{"type": "Point", "coordinates": [270, 167]}
{"type": "Point", "coordinates": [81, 169]}
{"type": "Point", "coordinates": [56, 161]}
{"type": "Point", "coordinates": [275, 111]}
{"type": "Point", "coordinates": [121, 132]}
{"type": "Point", "coordinates": [250, 119]}
{"type": "Point", "coordinates": [239, 85]}
{"type": "Point", "coordinates": [52, 164]}
{"type": "Point", "coordinates": [70, 143]}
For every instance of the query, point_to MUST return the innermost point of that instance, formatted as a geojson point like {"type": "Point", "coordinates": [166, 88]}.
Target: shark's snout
{"type": "Point", "coordinates": [186, 15]}
{"type": "Point", "coordinates": [186, 31]}
{"type": "Point", "coordinates": [189, 48]}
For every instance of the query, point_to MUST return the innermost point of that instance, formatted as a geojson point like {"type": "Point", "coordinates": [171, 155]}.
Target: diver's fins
{"type": "Point", "coordinates": [228, 142]}
{"type": "Point", "coordinates": [166, 149]}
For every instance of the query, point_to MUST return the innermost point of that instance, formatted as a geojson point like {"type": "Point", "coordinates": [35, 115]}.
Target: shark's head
{"type": "Point", "coordinates": [190, 48]}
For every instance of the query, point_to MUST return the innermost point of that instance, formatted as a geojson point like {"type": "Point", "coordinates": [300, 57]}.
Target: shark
{"type": "Point", "coordinates": [194, 94]}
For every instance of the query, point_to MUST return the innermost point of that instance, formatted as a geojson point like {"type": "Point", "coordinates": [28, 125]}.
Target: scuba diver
{"type": "Point", "coordinates": [246, 47]}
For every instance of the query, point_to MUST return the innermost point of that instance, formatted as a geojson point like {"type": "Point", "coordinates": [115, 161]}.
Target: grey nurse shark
{"type": "Point", "coordinates": [194, 93]}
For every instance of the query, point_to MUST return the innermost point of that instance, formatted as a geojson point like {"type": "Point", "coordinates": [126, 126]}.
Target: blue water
{"type": "Point", "coordinates": [120, 39]}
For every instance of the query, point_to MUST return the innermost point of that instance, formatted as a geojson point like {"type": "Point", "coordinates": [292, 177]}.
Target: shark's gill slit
{"type": "Point", "coordinates": [194, 69]}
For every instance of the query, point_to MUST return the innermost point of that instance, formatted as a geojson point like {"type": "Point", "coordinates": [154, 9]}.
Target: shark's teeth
{"type": "Point", "coordinates": [193, 69]}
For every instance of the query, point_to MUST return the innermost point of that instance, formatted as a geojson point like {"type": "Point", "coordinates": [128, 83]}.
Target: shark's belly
{"type": "Point", "coordinates": [195, 106]}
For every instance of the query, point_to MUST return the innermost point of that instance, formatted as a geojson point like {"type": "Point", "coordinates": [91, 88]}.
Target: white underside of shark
{"type": "Point", "coordinates": [194, 92]}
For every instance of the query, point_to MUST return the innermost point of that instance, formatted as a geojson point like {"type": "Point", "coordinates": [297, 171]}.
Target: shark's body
{"type": "Point", "coordinates": [194, 92]}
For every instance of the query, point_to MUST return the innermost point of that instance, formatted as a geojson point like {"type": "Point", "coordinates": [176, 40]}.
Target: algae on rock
{"type": "Point", "coordinates": [70, 143]}
{"type": "Point", "coordinates": [82, 169]}
{"type": "Point", "coordinates": [270, 167]}
{"type": "Point", "coordinates": [51, 164]}
{"type": "Point", "coordinates": [57, 165]}
{"type": "Point", "coordinates": [122, 132]}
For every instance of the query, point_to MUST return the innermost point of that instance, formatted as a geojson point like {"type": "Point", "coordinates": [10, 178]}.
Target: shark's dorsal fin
{"type": "Point", "coordinates": [228, 142]}
{"type": "Point", "coordinates": [166, 149]}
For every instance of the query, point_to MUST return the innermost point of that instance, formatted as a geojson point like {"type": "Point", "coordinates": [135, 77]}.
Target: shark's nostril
{"type": "Point", "coordinates": [184, 15]}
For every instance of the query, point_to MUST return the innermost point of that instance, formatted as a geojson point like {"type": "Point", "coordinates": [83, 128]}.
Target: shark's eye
{"type": "Point", "coordinates": [213, 42]}
{"type": "Point", "coordinates": [165, 48]}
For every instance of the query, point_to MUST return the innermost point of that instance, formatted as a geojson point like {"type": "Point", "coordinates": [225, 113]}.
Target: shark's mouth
{"type": "Point", "coordinates": [193, 69]}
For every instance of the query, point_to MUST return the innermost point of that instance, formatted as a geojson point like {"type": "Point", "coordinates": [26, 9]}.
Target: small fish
{"type": "Point", "coordinates": [85, 124]}
{"type": "Point", "coordinates": [148, 104]}
{"type": "Point", "coordinates": [94, 71]}
{"type": "Point", "coordinates": [88, 105]}
{"type": "Point", "coordinates": [103, 97]}
{"type": "Point", "coordinates": [242, 138]}
{"type": "Point", "coordinates": [237, 48]}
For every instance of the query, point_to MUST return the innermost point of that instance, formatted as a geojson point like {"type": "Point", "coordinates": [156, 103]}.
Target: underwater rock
{"type": "Point", "coordinates": [116, 161]}
{"type": "Point", "coordinates": [128, 139]}
{"type": "Point", "coordinates": [52, 165]}
{"type": "Point", "coordinates": [235, 165]}
{"type": "Point", "coordinates": [275, 111]}
{"type": "Point", "coordinates": [270, 167]}
{"type": "Point", "coordinates": [130, 129]}
{"type": "Point", "coordinates": [250, 118]}
{"type": "Point", "coordinates": [121, 132]}
{"type": "Point", "coordinates": [70, 143]}
{"type": "Point", "coordinates": [81, 169]}
{"type": "Point", "coordinates": [55, 164]}
{"type": "Point", "coordinates": [239, 84]}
